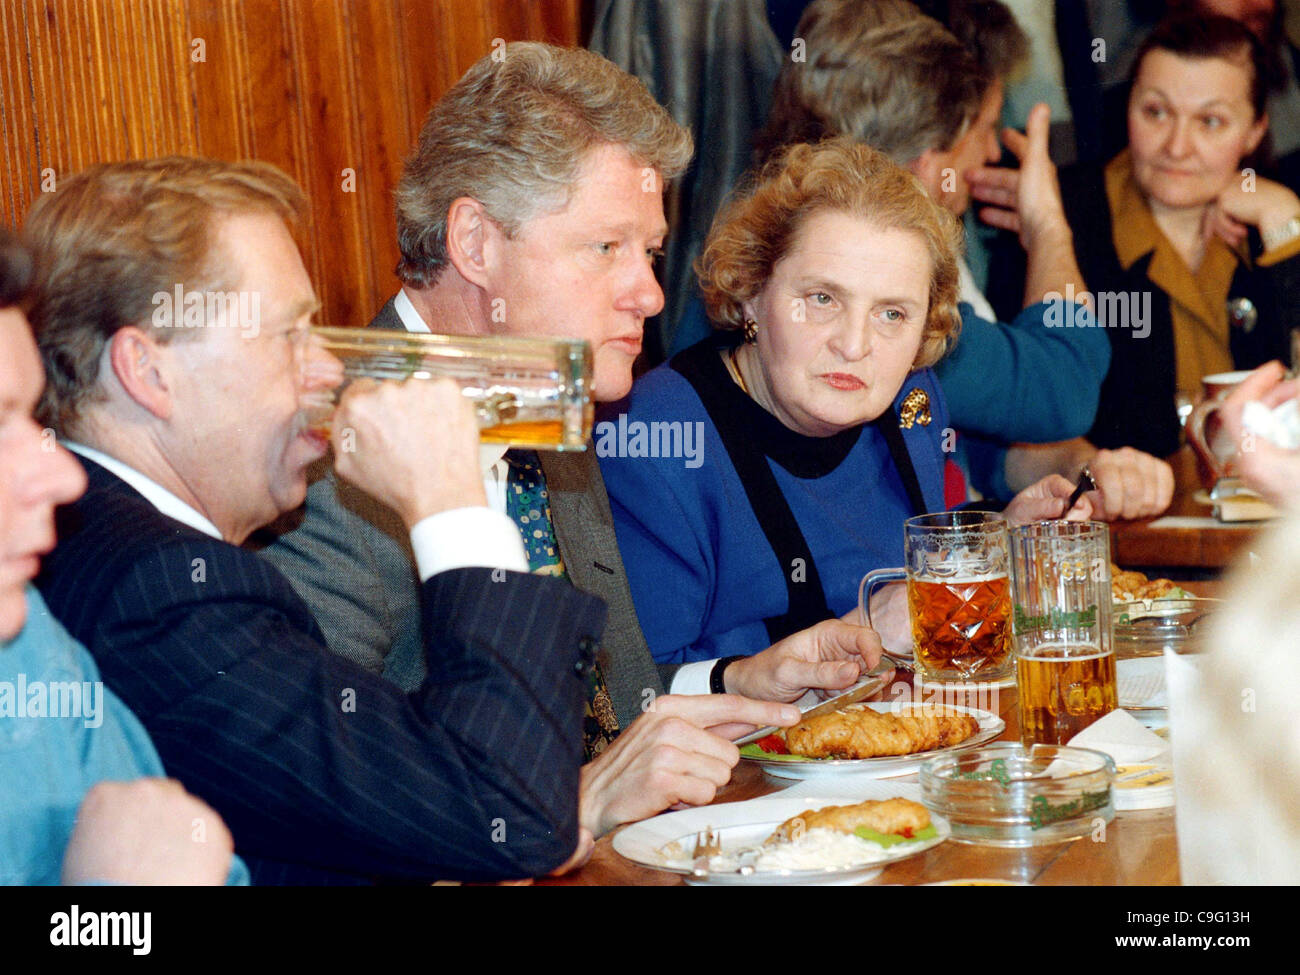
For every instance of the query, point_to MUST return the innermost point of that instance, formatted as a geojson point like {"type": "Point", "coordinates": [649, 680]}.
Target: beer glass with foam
{"type": "Point", "coordinates": [1061, 625]}
{"type": "Point", "coordinates": [958, 595]}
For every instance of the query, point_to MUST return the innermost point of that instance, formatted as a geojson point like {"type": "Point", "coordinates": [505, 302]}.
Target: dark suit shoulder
{"type": "Point", "coordinates": [315, 764]}
{"type": "Point", "coordinates": [113, 539]}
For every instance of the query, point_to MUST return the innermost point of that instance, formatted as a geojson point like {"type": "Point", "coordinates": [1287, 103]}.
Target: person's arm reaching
{"type": "Point", "coordinates": [677, 752]}
{"type": "Point", "coordinates": [1027, 201]}
{"type": "Point", "coordinates": [1039, 378]}
{"type": "Point", "coordinates": [313, 761]}
{"type": "Point", "coordinates": [1130, 483]}
{"type": "Point", "coordinates": [351, 556]}
{"type": "Point", "coordinates": [1028, 380]}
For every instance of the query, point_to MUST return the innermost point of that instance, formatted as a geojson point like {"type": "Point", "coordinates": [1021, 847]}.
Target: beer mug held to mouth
{"type": "Point", "coordinates": [528, 392]}
{"type": "Point", "coordinates": [958, 595]}
{"type": "Point", "coordinates": [1065, 660]}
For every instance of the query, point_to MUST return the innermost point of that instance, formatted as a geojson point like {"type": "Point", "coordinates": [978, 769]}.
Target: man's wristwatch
{"type": "Point", "coordinates": [716, 684]}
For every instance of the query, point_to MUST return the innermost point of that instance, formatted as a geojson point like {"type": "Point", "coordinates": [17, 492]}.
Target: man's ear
{"type": "Point", "coordinates": [928, 168]}
{"type": "Point", "coordinates": [136, 359]}
{"type": "Point", "coordinates": [470, 235]}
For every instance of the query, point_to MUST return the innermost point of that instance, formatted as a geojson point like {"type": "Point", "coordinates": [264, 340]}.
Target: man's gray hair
{"type": "Point", "coordinates": [513, 134]}
{"type": "Point", "coordinates": [881, 72]}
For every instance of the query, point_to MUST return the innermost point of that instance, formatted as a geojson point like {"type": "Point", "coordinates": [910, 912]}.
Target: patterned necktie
{"type": "Point", "coordinates": [529, 507]}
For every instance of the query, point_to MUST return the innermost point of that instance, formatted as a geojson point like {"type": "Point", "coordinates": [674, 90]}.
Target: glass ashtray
{"type": "Point", "coordinates": [1149, 627]}
{"type": "Point", "coordinates": [1009, 795]}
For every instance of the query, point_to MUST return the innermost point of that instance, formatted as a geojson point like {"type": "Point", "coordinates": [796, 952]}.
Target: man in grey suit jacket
{"type": "Point", "coordinates": [532, 205]}
{"type": "Point", "coordinates": [373, 614]}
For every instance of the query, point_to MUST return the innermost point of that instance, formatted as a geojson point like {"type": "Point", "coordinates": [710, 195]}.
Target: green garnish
{"type": "Point", "coordinates": [890, 839]}
{"type": "Point", "coordinates": [753, 751]}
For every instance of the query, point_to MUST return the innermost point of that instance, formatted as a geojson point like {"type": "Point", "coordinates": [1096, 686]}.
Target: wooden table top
{"type": "Point", "coordinates": [1206, 545]}
{"type": "Point", "coordinates": [1137, 848]}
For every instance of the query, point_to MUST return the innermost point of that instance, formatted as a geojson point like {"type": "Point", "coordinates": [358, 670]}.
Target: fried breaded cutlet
{"type": "Point", "coordinates": [857, 731]}
{"type": "Point", "coordinates": [1127, 586]}
{"type": "Point", "coordinates": [882, 815]}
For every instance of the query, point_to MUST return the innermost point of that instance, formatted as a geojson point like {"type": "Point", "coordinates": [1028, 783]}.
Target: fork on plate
{"type": "Point", "coordinates": [707, 844]}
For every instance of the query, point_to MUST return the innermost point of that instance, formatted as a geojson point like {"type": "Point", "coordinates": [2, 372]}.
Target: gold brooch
{"type": "Point", "coordinates": [915, 409]}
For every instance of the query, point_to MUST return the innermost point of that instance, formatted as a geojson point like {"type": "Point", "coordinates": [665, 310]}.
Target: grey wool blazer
{"type": "Point", "coordinates": [349, 557]}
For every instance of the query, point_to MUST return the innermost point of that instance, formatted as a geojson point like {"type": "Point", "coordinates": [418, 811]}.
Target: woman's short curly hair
{"type": "Point", "coordinates": [757, 229]}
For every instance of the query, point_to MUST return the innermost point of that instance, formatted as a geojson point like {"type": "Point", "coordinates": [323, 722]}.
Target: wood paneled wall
{"type": "Point", "coordinates": [318, 87]}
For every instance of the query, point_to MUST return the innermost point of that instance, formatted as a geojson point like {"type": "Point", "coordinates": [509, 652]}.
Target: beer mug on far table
{"type": "Point", "coordinates": [958, 595]}
{"type": "Point", "coordinates": [1215, 450]}
{"type": "Point", "coordinates": [1065, 660]}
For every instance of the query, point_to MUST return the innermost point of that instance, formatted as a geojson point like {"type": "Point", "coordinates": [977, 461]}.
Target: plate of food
{"type": "Point", "coordinates": [882, 738]}
{"type": "Point", "coordinates": [1153, 615]}
{"type": "Point", "coordinates": [784, 840]}
{"type": "Point", "coordinates": [1129, 587]}
{"type": "Point", "coordinates": [810, 704]}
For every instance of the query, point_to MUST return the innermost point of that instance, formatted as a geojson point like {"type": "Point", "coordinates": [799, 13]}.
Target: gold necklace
{"type": "Point", "coordinates": [733, 367]}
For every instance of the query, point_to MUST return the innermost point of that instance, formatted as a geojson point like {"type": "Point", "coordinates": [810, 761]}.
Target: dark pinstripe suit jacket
{"type": "Point", "coordinates": [322, 770]}
{"type": "Point", "coordinates": [350, 559]}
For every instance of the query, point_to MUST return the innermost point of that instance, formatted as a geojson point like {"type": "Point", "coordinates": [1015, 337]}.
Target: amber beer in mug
{"type": "Point", "coordinates": [528, 392]}
{"type": "Point", "coordinates": [960, 627]}
{"type": "Point", "coordinates": [958, 595]}
{"type": "Point", "coordinates": [1065, 661]}
{"type": "Point", "coordinates": [1062, 691]}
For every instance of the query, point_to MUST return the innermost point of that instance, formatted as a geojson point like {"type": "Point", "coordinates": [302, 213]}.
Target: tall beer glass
{"type": "Point", "coordinates": [528, 392]}
{"type": "Point", "coordinates": [1065, 661]}
{"type": "Point", "coordinates": [958, 595]}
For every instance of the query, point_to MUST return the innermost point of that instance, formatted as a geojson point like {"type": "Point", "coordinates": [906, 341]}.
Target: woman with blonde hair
{"type": "Point", "coordinates": [819, 424]}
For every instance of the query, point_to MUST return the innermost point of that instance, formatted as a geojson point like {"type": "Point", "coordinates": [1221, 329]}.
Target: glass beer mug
{"type": "Point", "coordinates": [958, 595]}
{"type": "Point", "coordinates": [1065, 659]}
{"type": "Point", "coordinates": [528, 392]}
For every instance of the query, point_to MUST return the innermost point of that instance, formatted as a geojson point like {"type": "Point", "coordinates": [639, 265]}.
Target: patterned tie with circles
{"type": "Point", "coordinates": [529, 507]}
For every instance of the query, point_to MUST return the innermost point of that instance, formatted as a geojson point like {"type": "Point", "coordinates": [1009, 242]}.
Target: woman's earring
{"type": "Point", "coordinates": [750, 330]}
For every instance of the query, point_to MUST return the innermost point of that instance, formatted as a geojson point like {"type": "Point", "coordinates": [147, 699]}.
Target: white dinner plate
{"type": "Point", "coordinates": [990, 726]}
{"type": "Point", "coordinates": [743, 825]}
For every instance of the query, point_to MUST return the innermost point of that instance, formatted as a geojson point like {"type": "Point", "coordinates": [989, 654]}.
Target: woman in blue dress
{"type": "Point", "coordinates": [758, 475]}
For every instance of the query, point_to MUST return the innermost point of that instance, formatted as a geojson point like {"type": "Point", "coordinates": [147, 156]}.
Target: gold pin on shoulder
{"type": "Point", "coordinates": [915, 409]}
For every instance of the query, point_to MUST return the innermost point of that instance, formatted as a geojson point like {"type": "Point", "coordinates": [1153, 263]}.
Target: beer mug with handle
{"type": "Point", "coordinates": [958, 595]}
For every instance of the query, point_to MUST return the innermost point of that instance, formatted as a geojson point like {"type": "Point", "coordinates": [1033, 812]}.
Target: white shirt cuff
{"type": "Point", "coordinates": [467, 538]}
{"type": "Point", "coordinates": [692, 678]}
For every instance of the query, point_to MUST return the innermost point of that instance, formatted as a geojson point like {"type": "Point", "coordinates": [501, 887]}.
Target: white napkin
{"type": "Point", "coordinates": [1142, 759]}
{"type": "Point", "coordinates": [1280, 425]}
{"type": "Point", "coordinates": [1123, 738]}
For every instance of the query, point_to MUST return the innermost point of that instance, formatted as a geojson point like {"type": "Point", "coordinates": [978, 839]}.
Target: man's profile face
{"type": "Point", "coordinates": [35, 473]}
{"type": "Point", "coordinates": [978, 146]}
{"type": "Point", "coordinates": [587, 270]}
{"type": "Point", "coordinates": [241, 440]}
